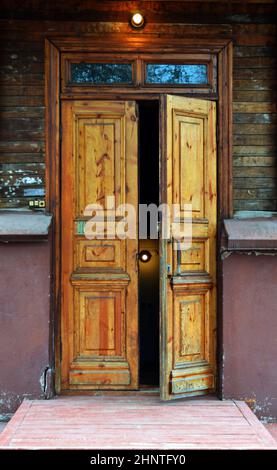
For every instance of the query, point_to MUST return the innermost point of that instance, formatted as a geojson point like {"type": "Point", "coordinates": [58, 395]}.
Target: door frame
{"type": "Point", "coordinates": [135, 43]}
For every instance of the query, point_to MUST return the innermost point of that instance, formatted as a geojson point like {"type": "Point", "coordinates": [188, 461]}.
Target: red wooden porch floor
{"type": "Point", "coordinates": [134, 422]}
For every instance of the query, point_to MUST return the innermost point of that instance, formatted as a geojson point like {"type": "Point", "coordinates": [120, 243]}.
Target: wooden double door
{"type": "Point", "coordinates": [99, 298]}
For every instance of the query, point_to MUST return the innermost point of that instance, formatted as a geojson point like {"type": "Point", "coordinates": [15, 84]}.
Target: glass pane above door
{"type": "Point", "coordinates": [101, 73]}
{"type": "Point", "coordinates": [177, 74]}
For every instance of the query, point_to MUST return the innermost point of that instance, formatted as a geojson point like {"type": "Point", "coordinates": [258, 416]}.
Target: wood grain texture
{"type": "Point", "coordinates": [99, 305]}
{"type": "Point", "coordinates": [255, 120]}
{"type": "Point", "coordinates": [134, 422]}
{"type": "Point", "coordinates": [53, 141]}
{"type": "Point", "coordinates": [155, 11]}
{"type": "Point", "coordinates": [188, 314]}
{"type": "Point", "coordinates": [22, 79]}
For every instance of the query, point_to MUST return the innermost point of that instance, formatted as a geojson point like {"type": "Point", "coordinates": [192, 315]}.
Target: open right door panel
{"type": "Point", "coordinates": [188, 277]}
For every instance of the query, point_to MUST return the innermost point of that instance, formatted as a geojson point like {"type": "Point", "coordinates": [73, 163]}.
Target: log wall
{"type": "Point", "coordinates": [22, 148]}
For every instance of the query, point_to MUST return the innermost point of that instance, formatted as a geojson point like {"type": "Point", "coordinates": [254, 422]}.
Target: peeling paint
{"type": "Point", "coordinates": [30, 180]}
{"type": "Point", "coordinates": [260, 408]}
{"type": "Point", "coordinates": [9, 402]}
{"type": "Point", "coordinates": [46, 382]}
{"type": "Point", "coordinates": [226, 253]}
{"type": "Point", "coordinates": [42, 380]}
{"type": "Point", "coordinates": [5, 417]}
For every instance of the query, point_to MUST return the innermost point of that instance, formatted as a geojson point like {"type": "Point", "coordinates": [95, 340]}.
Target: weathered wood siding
{"type": "Point", "coordinates": [255, 118]}
{"type": "Point", "coordinates": [22, 148]}
{"type": "Point", "coordinates": [21, 117]}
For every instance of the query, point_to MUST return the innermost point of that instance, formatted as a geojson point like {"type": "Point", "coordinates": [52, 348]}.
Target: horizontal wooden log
{"type": "Point", "coordinates": [22, 158]}
{"type": "Point", "coordinates": [22, 79]}
{"type": "Point", "coordinates": [261, 150]}
{"type": "Point", "coordinates": [21, 124]}
{"type": "Point", "coordinates": [22, 147]}
{"type": "Point", "coordinates": [255, 40]}
{"type": "Point", "coordinates": [23, 112]}
{"type": "Point", "coordinates": [255, 96]}
{"type": "Point", "coordinates": [257, 73]}
{"type": "Point", "coordinates": [242, 171]}
{"type": "Point", "coordinates": [22, 46]}
{"type": "Point", "coordinates": [21, 90]}
{"type": "Point", "coordinates": [254, 51]}
{"type": "Point", "coordinates": [31, 191]}
{"type": "Point", "coordinates": [20, 168]}
{"type": "Point", "coordinates": [24, 186]}
{"type": "Point", "coordinates": [20, 58]}
{"type": "Point", "coordinates": [249, 129]}
{"type": "Point", "coordinates": [244, 182]}
{"type": "Point", "coordinates": [254, 84]}
{"type": "Point", "coordinates": [247, 35]}
{"type": "Point", "coordinates": [155, 11]}
{"type": "Point", "coordinates": [13, 29]}
{"type": "Point", "coordinates": [247, 107]}
{"type": "Point", "coordinates": [254, 34]}
{"type": "Point", "coordinates": [255, 161]}
{"type": "Point", "coordinates": [22, 100]}
{"type": "Point", "coordinates": [23, 135]}
{"type": "Point", "coordinates": [21, 180]}
{"type": "Point", "coordinates": [254, 62]}
{"type": "Point", "coordinates": [262, 118]}
{"type": "Point", "coordinates": [258, 205]}
{"type": "Point", "coordinates": [13, 202]}
{"type": "Point", "coordinates": [258, 140]}
{"type": "Point", "coordinates": [25, 67]}
{"type": "Point", "coordinates": [255, 194]}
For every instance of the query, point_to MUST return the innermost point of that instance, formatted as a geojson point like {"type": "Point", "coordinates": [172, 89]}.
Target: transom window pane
{"type": "Point", "coordinates": [177, 74]}
{"type": "Point", "coordinates": [101, 73]}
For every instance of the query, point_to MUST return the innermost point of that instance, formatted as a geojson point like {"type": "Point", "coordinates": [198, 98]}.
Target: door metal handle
{"type": "Point", "coordinates": [178, 257]}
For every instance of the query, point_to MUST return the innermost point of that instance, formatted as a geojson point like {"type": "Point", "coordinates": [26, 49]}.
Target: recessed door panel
{"type": "Point", "coordinates": [99, 275]}
{"type": "Point", "coordinates": [188, 273]}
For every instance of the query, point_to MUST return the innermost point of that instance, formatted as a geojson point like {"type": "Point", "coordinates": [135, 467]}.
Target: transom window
{"type": "Point", "coordinates": [101, 73]}
{"type": "Point", "coordinates": [161, 72]}
{"type": "Point", "coordinates": [177, 74]}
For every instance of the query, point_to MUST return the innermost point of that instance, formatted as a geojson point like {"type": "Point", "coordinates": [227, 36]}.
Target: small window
{"type": "Point", "coordinates": [101, 73]}
{"type": "Point", "coordinates": [177, 74]}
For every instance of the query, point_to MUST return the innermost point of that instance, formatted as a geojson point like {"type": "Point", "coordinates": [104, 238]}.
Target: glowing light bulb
{"type": "Point", "coordinates": [145, 256]}
{"type": "Point", "coordinates": [137, 20]}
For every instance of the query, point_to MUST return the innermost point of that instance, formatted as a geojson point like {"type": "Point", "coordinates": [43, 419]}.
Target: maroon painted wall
{"type": "Point", "coordinates": [250, 331]}
{"type": "Point", "coordinates": [24, 321]}
{"type": "Point", "coordinates": [249, 326]}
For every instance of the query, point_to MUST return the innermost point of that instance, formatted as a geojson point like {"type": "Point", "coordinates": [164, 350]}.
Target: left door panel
{"type": "Point", "coordinates": [99, 307]}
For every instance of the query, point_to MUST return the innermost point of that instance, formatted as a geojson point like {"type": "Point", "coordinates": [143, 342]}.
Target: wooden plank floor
{"type": "Point", "coordinates": [135, 422]}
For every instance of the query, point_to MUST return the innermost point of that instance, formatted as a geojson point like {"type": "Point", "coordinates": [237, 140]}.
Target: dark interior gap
{"type": "Point", "coordinates": [149, 271]}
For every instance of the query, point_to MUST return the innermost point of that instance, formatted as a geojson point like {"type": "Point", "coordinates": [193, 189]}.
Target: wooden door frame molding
{"type": "Point", "coordinates": [135, 43]}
